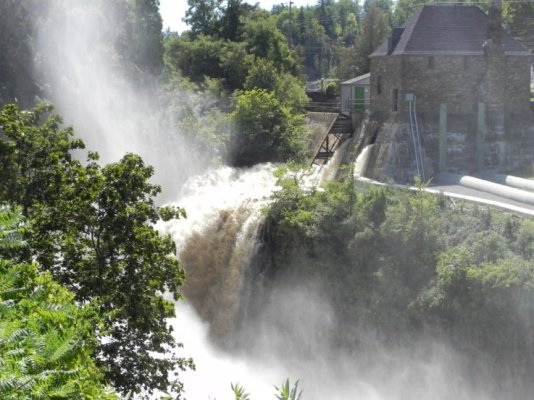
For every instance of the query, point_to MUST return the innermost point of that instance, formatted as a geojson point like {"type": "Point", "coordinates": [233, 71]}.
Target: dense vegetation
{"type": "Point", "coordinates": [46, 340]}
{"type": "Point", "coordinates": [81, 283]}
{"type": "Point", "coordinates": [406, 265]}
{"type": "Point", "coordinates": [90, 226]}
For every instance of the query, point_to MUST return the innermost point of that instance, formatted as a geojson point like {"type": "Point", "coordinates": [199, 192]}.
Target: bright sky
{"type": "Point", "coordinates": [173, 11]}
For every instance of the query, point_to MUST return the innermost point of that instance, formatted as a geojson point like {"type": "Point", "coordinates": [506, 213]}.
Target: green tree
{"type": "Point", "coordinates": [262, 75]}
{"type": "Point", "coordinates": [265, 130]}
{"type": "Point", "coordinates": [288, 89]}
{"type": "Point", "coordinates": [405, 8]}
{"type": "Point", "coordinates": [146, 41]}
{"type": "Point", "coordinates": [194, 59]}
{"type": "Point", "coordinates": [16, 77]}
{"type": "Point", "coordinates": [374, 30]}
{"type": "Point", "coordinates": [265, 40]}
{"type": "Point", "coordinates": [518, 19]}
{"type": "Point", "coordinates": [384, 5]}
{"type": "Point", "coordinates": [349, 24]}
{"type": "Point", "coordinates": [46, 341]}
{"type": "Point", "coordinates": [206, 57]}
{"type": "Point", "coordinates": [231, 26]}
{"type": "Point", "coordinates": [92, 227]}
{"type": "Point", "coordinates": [203, 16]}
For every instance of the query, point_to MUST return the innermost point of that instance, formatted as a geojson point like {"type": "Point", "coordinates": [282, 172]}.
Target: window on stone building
{"type": "Point", "coordinates": [430, 62]}
{"type": "Point", "coordinates": [379, 84]}
{"type": "Point", "coordinates": [395, 100]}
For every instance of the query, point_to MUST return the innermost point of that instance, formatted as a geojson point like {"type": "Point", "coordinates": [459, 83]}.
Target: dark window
{"type": "Point", "coordinates": [379, 84]}
{"type": "Point", "coordinates": [430, 62]}
{"type": "Point", "coordinates": [395, 104]}
{"type": "Point", "coordinates": [466, 62]}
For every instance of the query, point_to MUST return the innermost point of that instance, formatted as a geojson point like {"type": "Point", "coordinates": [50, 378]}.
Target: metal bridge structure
{"type": "Point", "coordinates": [338, 128]}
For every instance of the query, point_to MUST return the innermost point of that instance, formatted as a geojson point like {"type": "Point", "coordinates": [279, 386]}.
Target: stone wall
{"type": "Point", "coordinates": [461, 82]}
{"type": "Point", "coordinates": [444, 79]}
{"type": "Point", "coordinates": [393, 155]}
{"type": "Point", "coordinates": [455, 80]}
{"type": "Point", "coordinates": [518, 85]}
{"type": "Point", "coordinates": [388, 70]}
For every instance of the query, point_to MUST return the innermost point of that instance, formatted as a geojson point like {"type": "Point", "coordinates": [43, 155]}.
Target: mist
{"type": "Point", "coordinates": [110, 108]}
{"type": "Point", "coordinates": [241, 325]}
{"type": "Point", "coordinates": [294, 337]}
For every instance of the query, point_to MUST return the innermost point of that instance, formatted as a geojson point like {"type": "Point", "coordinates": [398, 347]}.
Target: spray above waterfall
{"type": "Point", "coordinates": [110, 107]}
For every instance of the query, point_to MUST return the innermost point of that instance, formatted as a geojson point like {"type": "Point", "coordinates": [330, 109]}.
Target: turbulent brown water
{"type": "Point", "coordinates": [216, 261]}
{"type": "Point", "coordinates": [218, 239]}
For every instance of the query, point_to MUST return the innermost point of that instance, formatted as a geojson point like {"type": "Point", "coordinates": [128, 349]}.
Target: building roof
{"type": "Point", "coordinates": [447, 30]}
{"type": "Point", "coordinates": [364, 79]}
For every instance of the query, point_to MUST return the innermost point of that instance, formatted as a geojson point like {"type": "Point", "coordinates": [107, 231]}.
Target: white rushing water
{"type": "Point", "coordinates": [224, 188]}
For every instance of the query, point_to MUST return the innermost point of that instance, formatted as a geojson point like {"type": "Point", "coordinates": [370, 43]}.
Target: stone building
{"type": "Point", "coordinates": [450, 91]}
{"type": "Point", "coordinates": [449, 54]}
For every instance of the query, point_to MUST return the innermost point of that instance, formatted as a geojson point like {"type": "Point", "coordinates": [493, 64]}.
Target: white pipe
{"type": "Point", "coordinates": [513, 181]}
{"type": "Point", "coordinates": [498, 189]}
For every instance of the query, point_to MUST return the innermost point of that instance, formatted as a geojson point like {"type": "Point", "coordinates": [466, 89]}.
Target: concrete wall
{"type": "Point", "coordinates": [393, 154]}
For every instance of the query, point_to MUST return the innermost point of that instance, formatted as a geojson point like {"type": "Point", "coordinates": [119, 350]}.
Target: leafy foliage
{"type": "Point", "coordinates": [518, 21]}
{"type": "Point", "coordinates": [402, 264]}
{"type": "Point", "coordinates": [374, 30]}
{"type": "Point", "coordinates": [288, 392]}
{"type": "Point", "coordinates": [46, 341]}
{"type": "Point", "coordinates": [16, 78]}
{"type": "Point", "coordinates": [203, 16]}
{"type": "Point", "coordinates": [91, 226]}
{"type": "Point", "coordinates": [239, 392]}
{"type": "Point", "coordinates": [266, 130]}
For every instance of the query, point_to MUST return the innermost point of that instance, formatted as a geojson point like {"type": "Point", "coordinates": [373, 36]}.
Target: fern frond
{"type": "Point", "coordinates": [61, 373]}
{"type": "Point", "coordinates": [288, 391]}
{"type": "Point", "coordinates": [10, 228]}
{"type": "Point", "coordinates": [6, 305]}
{"type": "Point", "coordinates": [18, 335]}
{"type": "Point", "coordinates": [16, 354]}
{"type": "Point", "coordinates": [7, 385]}
{"type": "Point", "coordinates": [15, 384]}
{"type": "Point", "coordinates": [64, 350]}
{"type": "Point", "coordinates": [9, 280]}
{"type": "Point", "coordinates": [63, 392]}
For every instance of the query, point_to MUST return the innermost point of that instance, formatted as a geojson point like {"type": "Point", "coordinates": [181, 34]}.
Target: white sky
{"type": "Point", "coordinates": [172, 11]}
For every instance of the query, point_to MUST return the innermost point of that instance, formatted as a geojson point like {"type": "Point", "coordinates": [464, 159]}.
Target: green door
{"type": "Point", "coordinates": [358, 99]}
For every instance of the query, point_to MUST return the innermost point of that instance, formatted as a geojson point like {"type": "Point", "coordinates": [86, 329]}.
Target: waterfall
{"type": "Point", "coordinates": [290, 331]}
{"type": "Point", "coordinates": [218, 239]}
